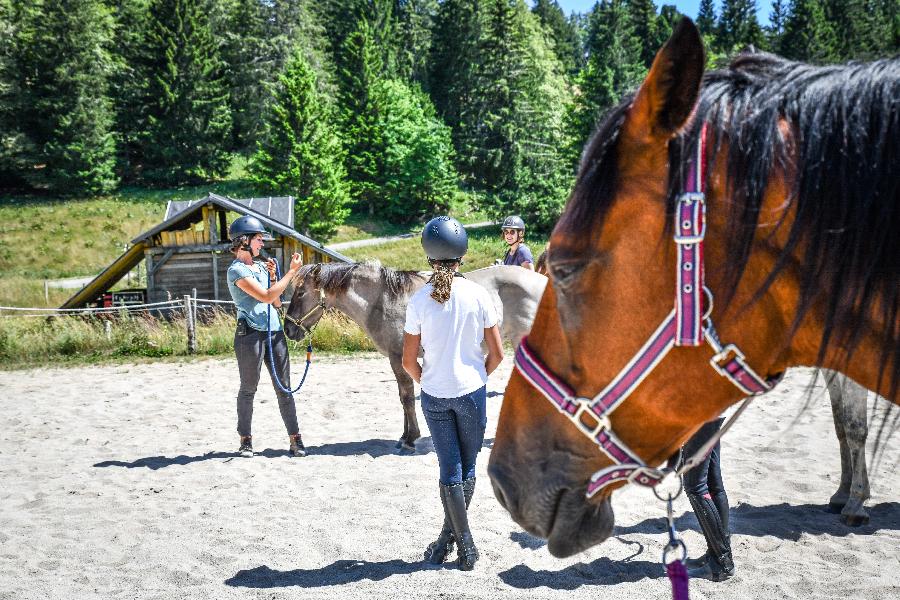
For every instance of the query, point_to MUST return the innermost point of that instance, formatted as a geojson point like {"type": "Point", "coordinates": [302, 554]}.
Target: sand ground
{"type": "Point", "coordinates": [122, 482]}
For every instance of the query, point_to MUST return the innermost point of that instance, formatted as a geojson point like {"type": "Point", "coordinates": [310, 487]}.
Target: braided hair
{"type": "Point", "coordinates": [442, 279]}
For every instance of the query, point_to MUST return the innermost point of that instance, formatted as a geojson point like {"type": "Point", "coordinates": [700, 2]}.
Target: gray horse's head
{"type": "Point", "coordinates": [320, 286]}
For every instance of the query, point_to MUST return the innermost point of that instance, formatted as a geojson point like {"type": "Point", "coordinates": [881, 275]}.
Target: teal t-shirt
{"type": "Point", "coordinates": [248, 307]}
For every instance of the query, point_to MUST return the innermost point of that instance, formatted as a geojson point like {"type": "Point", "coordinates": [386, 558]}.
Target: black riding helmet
{"type": "Point", "coordinates": [247, 225]}
{"type": "Point", "coordinates": [444, 238]}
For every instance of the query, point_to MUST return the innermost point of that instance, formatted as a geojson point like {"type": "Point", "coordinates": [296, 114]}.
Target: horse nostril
{"type": "Point", "coordinates": [497, 483]}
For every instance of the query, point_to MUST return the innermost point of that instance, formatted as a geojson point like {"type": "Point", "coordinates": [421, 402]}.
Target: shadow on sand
{"type": "Point", "coordinates": [783, 521]}
{"type": "Point", "coordinates": [337, 573]}
{"type": "Point", "coordinates": [376, 448]}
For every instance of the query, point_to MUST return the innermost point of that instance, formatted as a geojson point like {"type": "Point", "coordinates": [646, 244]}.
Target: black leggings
{"type": "Point", "coordinates": [252, 351]}
{"type": "Point", "coordinates": [706, 478]}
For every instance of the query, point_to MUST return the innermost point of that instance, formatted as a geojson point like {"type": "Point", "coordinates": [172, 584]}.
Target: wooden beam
{"type": "Point", "coordinates": [108, 277]}
{"type": "Point", "coordinates": [162, 261]}
{"type": "Point", "coordinates": [215, 275]}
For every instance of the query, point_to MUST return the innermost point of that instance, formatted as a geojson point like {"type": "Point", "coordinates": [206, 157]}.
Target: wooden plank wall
{"type": "Point", "coordinates": [183, 272]}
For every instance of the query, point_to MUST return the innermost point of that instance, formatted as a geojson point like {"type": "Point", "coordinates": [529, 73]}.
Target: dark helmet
{"type": "Point", "coordinates": [444, 238]}
{"type": "Point", "coordinates": [513, 222]}
{"type": "Point", "coordinates": [246, 225]}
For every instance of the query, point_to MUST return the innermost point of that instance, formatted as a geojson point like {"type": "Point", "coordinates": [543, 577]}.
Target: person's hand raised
{"type": "Point", "coordinates": [296, 262]}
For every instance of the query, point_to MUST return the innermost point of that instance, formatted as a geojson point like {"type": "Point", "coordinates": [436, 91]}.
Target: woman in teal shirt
{"type": "Point", "coordinates": [254, 288]}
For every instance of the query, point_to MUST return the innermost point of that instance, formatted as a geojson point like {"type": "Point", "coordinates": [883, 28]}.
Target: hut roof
{"type": "Point", "coordinates": [245, 206]}
{"type": "Point", "coordinates": [277, 208]}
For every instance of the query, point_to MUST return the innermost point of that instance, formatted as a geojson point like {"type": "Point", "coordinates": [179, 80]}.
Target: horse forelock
{"type": "Point", "coordinates": [845, 151]}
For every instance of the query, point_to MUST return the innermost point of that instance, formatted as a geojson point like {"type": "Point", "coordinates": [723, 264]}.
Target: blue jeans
{"type": "Point", "coordinates": [457, 430]}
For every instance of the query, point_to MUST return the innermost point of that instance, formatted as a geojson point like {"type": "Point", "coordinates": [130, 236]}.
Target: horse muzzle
{"type": "Point", "coordinates": [551, 505]}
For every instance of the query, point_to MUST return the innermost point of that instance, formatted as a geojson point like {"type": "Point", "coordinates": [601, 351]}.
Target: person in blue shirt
{"type": "Point", "coordinates": [513, 232]}
{"type": "Point", "coordinates": [254, 288]}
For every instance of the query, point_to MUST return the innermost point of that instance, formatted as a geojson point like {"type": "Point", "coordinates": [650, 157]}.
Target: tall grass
{"type": "Point", "coordinates": [30, 342]}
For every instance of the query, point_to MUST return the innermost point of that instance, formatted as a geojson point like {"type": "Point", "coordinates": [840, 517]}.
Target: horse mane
{"type": "Point", "coordinates": [336, 277]}
{"type": "Point", "coordinates": [844, 152]}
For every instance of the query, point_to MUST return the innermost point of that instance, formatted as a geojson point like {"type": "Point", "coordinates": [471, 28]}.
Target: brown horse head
{"type": "Point", "coordinates": [788, 291]}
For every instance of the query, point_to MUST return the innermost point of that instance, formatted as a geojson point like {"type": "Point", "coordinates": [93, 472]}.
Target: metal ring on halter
{"type": "Point", "coordinates": [709, 303]}
{"type": "Point", "coordinates": [671, 547]}
{"type": "Point", "coordinates": [668, 475]}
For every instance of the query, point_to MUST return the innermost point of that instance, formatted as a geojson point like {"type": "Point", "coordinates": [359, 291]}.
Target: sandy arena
{"type": "Point", "coordinates": [123, 482]}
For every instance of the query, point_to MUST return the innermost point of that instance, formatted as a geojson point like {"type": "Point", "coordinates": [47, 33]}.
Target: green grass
{"type": "Point", "coordinates": [27, 342]}
{"type": "Point", "coordinates": [49, 238]}
{"type": "Point", "coordinates": [485, 246]}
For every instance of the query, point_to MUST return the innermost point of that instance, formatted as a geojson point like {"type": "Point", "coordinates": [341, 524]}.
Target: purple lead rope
{"type": "Point", "coordinates": [678, 577]}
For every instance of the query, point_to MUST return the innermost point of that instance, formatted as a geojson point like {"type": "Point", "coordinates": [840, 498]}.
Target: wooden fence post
{"type": "Point", "coordinates": [189, 317]}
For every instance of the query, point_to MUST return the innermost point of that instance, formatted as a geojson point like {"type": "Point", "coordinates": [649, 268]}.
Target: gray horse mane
{"type": "Point", "coordinates": [335, 277]}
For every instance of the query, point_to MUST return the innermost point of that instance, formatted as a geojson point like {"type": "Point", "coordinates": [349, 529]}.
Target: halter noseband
{"type": "Point", "coordinates": [687, 325]}
{"type": "Point", "coordinates": [320, 305]}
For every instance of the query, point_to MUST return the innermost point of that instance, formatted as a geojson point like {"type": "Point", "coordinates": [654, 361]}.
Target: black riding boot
{"type": "Point", "coordinates": [466, 552]}
{"type": "Point", "coordinates": [439, 549]}
{"type": "Point", "coordinates": [720, 564]}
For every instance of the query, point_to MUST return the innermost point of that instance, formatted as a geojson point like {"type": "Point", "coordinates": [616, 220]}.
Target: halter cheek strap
{"type": "Point", "coordinates": [320, 305]}
{"type": "Point", "coordinates": [687, 325]}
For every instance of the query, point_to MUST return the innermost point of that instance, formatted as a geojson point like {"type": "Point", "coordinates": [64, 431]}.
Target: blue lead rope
{"type": "Point", "coordinates": [272, 354]}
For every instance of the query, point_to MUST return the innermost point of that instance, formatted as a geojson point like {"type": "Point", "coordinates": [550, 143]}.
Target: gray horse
{"type": "Point", "coordinates": [375, 298]}
{"type": "Point", "coordinates": [848, 406]}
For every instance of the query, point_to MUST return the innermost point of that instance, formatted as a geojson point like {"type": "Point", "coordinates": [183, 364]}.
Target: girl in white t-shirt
{"type": "Point", "coordinates": [448, 318]}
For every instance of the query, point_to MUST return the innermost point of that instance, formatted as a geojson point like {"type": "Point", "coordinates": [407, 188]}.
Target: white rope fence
{"type": "Point", "coordinates": [19, 311]}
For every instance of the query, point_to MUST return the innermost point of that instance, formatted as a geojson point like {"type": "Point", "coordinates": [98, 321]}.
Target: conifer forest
{"type": "Point", "coordinates": [388, 107]}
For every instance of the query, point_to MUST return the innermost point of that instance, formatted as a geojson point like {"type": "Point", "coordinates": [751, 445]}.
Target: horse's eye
{"type": "Point", "coordinates": [564, 274]}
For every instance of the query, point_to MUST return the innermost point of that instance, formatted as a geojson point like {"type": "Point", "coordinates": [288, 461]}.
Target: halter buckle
{"type": "Point", "coordinates": [719, 358]}
{"type": "Point", "coordinates": [584, 405]}
{"type": "Point", "coordinates": [689, 198]}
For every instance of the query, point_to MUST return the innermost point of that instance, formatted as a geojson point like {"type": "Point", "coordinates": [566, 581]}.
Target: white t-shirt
{"type": "Point", "coordinates": [452, 333]}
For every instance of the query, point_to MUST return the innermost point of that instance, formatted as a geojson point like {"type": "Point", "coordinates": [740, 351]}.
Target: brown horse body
{"type": "Point", "coordinates": [612, 283]}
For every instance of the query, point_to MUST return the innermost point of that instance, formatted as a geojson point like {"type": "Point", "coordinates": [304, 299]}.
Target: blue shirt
{"type": "Point", "coordinates": [522, 255]}
{"type": "Point", "coordinates": [248, 307]}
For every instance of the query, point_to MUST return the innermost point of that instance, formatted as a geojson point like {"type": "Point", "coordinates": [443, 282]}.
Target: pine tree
{"type": "Point", "coordinates": [862, 28]}
{"type": "Point", "coordinates": [419, 177]}
{"type": "Point", "coordinates": [453, 57]}
{"type": "Point", "coordinates": [13, 143]}
{"type": "Point", "coordinates": [415, 23]}
{"type": "Point", "coordinates": [706, 17]}
{"type": "Point", "coordinates": [130, 81]}
{"type": "Point", "coordinates": [63, 51]}
{"type": "Point", "coordinates": [511, 129]}
{"type": "Point", "coordinates": [614, 67]}
{"type": "Point", "coordinates": [669, 17]}
{"type": "Point", "coordinates": [777, 20]}
{"type": "Point", "coordinates": [300, 154]}
{"type": "Point", "coordinates": [738, 26]}
{"type": "Point", "coordinates": [188, 122]}
{"type": "Point", "coordinates": [566, 41]}
{"type": "Point", "coordinates": [643, 21]}
{"type": "Point", "coordinates": [247, 52]}
{"type": "Point", "coordinates": [808, 35]}
{"type": "Point", "coordinates": [359, 111]}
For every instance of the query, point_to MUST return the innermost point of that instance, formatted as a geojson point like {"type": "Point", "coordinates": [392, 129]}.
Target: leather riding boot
{"type": "Point", "coordinates": [720, 564]}
{"type": "Point", "coordinates": [437, 551]}
{"type": "Point", "coordinates": [696, 563]}
{"type": "Point", "coordinates": [466, 553]}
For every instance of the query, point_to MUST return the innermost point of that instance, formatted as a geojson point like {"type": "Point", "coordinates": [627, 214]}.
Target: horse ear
{"type": "Point", "coordinates": [668, 95]}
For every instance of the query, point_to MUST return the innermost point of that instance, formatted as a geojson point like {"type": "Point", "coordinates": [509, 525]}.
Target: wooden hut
{"type": "Point", "coordinates": [189, 250]}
